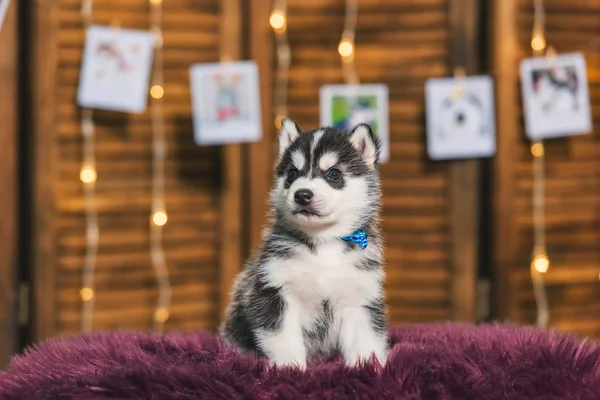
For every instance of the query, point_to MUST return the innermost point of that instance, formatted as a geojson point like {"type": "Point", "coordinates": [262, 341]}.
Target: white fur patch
{"type": "Point", "coordinates": [358, 341]}
{"type": "Point", "coordinates": [316, 138]}
{"type": "Point", "coordinates": [298, 160]}
{"type": "Point", "coordinates": [329, 274]}
{"type": "Point", "coordinates": [288, 134]}
{"type": "Point", "coordinates": [361, 139]}
{"type": "Point", "coordinates": [327, 161]}
{"type": "Point", "coordinates": [286, 346]}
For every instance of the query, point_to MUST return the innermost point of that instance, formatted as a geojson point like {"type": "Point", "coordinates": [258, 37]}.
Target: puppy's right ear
{"type": "Point", "coordinates": [288, 134]}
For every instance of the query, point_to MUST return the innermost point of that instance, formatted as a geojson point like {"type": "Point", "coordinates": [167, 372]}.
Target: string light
{"type": "Point", "coordinates": [86, 293]}
{"type": "Point", "coordinates": [538, 43]}
{"type": "Point", "coordinates": [346, 46]}
{"type": "Point", "coordinates": [159, 215]}
{"type": "Point", "coordinates": [157, 92]}
{"type": "Point", "coordinates": [278, 22]}
{"type": "Point", "coordinates": [537, 149]}
{"type": "Point", "coordinates": [159, 218]}
{"type": "Point", "coordinates": [88, 176]}
{"type": "Point", "coordinates": [540, 262]}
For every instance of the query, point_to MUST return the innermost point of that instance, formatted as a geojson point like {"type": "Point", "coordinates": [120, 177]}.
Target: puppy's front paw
{"type": "Point", "coordinates": [355, 357]}
{"type": "Point", "coordinates": [284, 361]}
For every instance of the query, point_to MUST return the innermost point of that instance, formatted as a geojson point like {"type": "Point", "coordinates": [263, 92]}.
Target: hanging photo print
{"type": "Point", "coordinates": [460, 117]}
{"type": "Point", "coordinates": [555, 96]}
{"type": "Point", "coordinates": [226, 103]}
{"type": "Point", "coordinates": [116, 69]}
{"type": "Point", "coordinates": [345, 106]}
{"type": "Point", "coordinates": [3, 9]}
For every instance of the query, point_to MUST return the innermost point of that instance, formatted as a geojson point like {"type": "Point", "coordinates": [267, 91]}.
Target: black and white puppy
{"type": "Point", "coordinates": [315, 285]}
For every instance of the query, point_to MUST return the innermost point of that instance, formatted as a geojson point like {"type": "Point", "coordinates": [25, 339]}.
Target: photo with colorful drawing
{"type": "Point", "coordinates": [345, 106]}
{"type": "Point", "coordinates": [225, 103]}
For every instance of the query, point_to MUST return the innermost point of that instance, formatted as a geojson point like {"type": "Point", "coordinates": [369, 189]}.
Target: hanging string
{"type": "Point", "coordinates": [88, 176]}
{"type": "Point", "coordinates": [346, 45]}
{"type": "Point", "coordinates": [540, 262]}
{"type": "Point", "coordinates": [278, 21]}
{"type": "Point", "coordinates": [159, 214]}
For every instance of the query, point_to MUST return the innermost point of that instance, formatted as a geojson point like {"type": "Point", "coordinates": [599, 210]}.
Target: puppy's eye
{"type": "Point", "coordinates": [334, 174]}
{"type": "Point", "coordinates": [293, 174]}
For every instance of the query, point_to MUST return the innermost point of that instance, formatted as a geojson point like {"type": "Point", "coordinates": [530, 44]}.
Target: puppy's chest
{"type": "Point", "coordinates": [329, 274]}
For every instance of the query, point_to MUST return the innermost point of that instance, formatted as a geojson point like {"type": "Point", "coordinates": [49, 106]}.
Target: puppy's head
{"type": "Point", "coordinates": [327, 180]}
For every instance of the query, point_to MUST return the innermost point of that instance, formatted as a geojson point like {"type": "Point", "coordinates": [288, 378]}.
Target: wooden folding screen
{"type": "Point", "coordinates": [9, 77]}
{"type": "Point", "coordinates": [125, 286]}
{"type": "Point", "coordinates": [430, 208]}
{"type": "Point", "coordinates": [572, 175]}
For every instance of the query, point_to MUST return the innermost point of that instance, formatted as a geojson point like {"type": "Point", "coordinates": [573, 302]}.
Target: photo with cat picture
{"type": "Point", "coordinates": [225, 103]}
{"type": "Point", "coordinates": [555, 96]}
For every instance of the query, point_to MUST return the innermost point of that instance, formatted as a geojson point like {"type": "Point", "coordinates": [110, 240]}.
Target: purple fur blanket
{"type": "Point", "coordinates": [443, 361]}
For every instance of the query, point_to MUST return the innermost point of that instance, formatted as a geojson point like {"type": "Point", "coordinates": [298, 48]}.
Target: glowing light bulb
{"type": "Point", "coordinates": [541, 263]}
{"type": "Point", "coordinates": [346, 48]}
{"type": "Point", "coordinates": [86, 294]}
{"type": "Point", "coordinates": [156, 2]}
{"type": "Point", "coordinates": [277, 20]}
{"type": "Point", "coordinates": [87, 174]}
{"type": "Point", "coordinates": [157, 92]}
{"type": "Point", "coordinates": [159, 218]}
{"type": "Point", "coordinates": [161, 315]}
{"type": "Point", "coordinates": [537, 150]}
{"type": "Point", "coordinates": [538, 43]}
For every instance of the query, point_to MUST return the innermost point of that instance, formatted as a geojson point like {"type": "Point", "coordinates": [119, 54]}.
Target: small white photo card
{"type": "Point", "coordinates": [116, 68]}
{"type": "Point", "coordinates": [3, 9]}
{"type": "Point", "coordinates": [345, 106]}
{"type": "Point", "coordinates": [555, 94]}
{"type": "Point", "coordinates": [226, 103]}
{"type": "Point", "coordinates": [460, 117]}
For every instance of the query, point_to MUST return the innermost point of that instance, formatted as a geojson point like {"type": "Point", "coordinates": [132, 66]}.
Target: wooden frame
{"type": "Point", "coordinates": [231, 195]}
{"type": "Point", "coordinates": [503, 17]}
{"type": "Point", "coordinates": [8, 182]}
{"type": "Point", "coordinates": [464, 192]}
{"type": "Point", "coordinates": [44, 153]}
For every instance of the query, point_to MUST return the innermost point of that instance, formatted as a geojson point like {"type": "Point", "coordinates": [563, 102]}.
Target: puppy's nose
{"type": "Point", "coordinates": [303, 196]}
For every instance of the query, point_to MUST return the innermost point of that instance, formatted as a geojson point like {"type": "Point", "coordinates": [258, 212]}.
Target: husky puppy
{"type": "Point", "coordinates": [315, 285]}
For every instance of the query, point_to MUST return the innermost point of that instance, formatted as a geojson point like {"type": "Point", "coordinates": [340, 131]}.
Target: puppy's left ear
{"type": "Point", "coordinates": [367, 144]}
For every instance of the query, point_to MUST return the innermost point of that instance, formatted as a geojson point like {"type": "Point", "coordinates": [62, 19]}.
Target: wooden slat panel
{"type": "Point", "coordinates": [572, 183]}
{"type": "Point", "coordinates": [126, 289]}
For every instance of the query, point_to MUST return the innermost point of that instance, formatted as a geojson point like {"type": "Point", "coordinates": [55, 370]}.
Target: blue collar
{"type": "Point", "coordinates": [359, 237]}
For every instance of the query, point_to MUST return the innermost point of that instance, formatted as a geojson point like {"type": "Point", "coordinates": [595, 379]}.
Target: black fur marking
{"type": "Point", "coordinates": [376, 310]}
{"type": "Point", "coordinates": [338, 143]}
{"type": "Point", "coordinates": [266, 306]}
{"type": "Point", "coordinates": [238, 328]}
{"type": "Point", "coordinates": [302, 144]}
{"type": "Point", "coordinates": [322, 324]}
{"type": "Point", "coordinates": [368, 264]}
{"type": "Point", "coordinates": [277, 245]}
